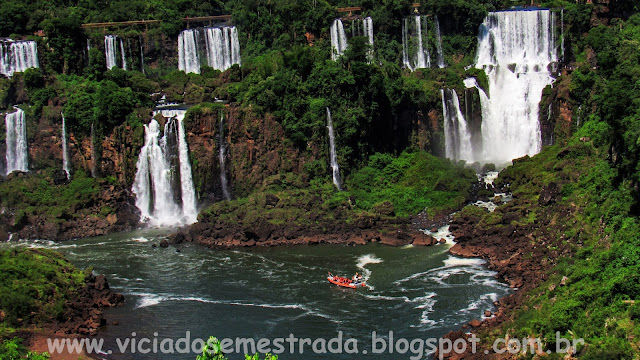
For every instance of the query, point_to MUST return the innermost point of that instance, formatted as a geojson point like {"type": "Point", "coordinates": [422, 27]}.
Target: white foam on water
{"type": "Point", "coordinates": [363, 261]}
{"type": "Point", "coordinates": [453, 261]}
{"type": "Point", "coordinates": [140, 239]}
{"type": "Point", "coordinates": [442, 233]}
{"type": "Point", "coordinates": [489, 205]}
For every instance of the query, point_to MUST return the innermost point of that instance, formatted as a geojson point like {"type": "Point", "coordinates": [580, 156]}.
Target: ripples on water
{"type": "Point", "coordinates": [271, 292]}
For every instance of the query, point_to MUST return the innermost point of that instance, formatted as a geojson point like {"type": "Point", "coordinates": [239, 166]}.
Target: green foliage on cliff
{"type": "Point", "coordinates": [35, 285]}
{"type": "Point", "coordinates": [12, 349]}
{"type": "Point", "coordinates": [412, 183]}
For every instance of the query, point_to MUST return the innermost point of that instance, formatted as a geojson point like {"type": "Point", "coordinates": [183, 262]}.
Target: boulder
{"type": "Point", "coordinates": [424, 240]}
{"type": "Point", "coordinates": [164, 243]}
{"type": "Point", "coordinates": [475, 323]}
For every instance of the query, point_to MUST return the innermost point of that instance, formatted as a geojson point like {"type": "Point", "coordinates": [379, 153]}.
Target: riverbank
{"type": "Point", "coordinates": [43, 294]}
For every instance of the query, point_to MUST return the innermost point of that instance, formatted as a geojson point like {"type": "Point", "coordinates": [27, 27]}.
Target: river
{"type": "Point", "coordinates": [416, 292]}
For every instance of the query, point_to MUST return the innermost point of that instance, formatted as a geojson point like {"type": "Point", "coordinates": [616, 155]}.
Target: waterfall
{"type": "Point", "coordinates": [188, 58]}
{"type": "Point", "coordinates": [457, 136]}
{"type": "Point", "coordinates": [414, 36]}
{"type": "Point", "coordinates": [17, 56]}
{"type": "Point", "coordinates": [160, 193]}
{"type": "Point", "coordinates": [439, 51]}
{"type": "Point", "coordinates": [110, 51]}
{"type": "Point", "coordinates": [223, 47]}
{"type": "Point", "coordinates": [141, 54]}
{"type": "Point", "coordinates": [65, 149]}
{"type": "Point", "coordinates": [338, 39]}
{"type": "Point", "coordinates": [122, 55]}
{"type": "Point", "coordinates": [222, 155]}
{"type": "Point", "coordinates": [368, 31]}
{"type": "Point", "coordinates": [16, 141]}
{"type": "Point", "coordinates": [335, 169]}
{"type": "Point", "coordinates": [515, 49]}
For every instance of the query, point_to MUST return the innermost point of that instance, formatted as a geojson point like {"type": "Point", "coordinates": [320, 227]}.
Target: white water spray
{"type": "Point", "coordinates": [335, 169]}
{"type": "Point", "coordinates": [16, 141]}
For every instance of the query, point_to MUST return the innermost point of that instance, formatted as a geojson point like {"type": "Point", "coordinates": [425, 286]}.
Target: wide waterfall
{"type": "Point", "coordinates": [222, 158]}
{"type": "Point", "coordinates": [516, 49]}
{"type": "Point", "coordinates": [439, 52]}
{"type": "Point", "coordinates": [335, 169]}
{"type": "Point", "coordinates": [359, 27]}
{"type": "Point", "coordinates": [338, 39]}
{"type": "Point", "coordinates": [223, 47]}
{"type": "Point", "coordinates": [65, 150]}
{"type": "Point", "coordinates": [415, 52]}
{"type": "Point", "coordinates": [161, 200]}
{"type": "Point", "coordinates": [457, 135]}
{"type": "Point", "coordinates": [17, 56]}
{"type": "Point", "coordinates": [188, 58]}
{"type": "Point", "coordinates": [16, 141]}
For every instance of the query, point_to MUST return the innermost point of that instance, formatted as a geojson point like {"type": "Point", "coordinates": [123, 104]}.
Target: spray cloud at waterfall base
{"type": "Point", "coordinates": [517, 50]}
{"type": "Point", "coordinates": [163, 185]}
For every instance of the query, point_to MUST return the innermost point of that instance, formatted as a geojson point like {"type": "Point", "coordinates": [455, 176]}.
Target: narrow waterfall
{"type": "Point", "coordinates": [188, 58]}
{"type": "Point", "coordinates": [122, 55]}
{"type": "Point", "coordinates": [457, 136]}
{"type": "Point", "coordinates": [222, 158]}
{"type": "Point", "coordinates": [335, 169]}
{"type": "Point", "coordinates": [141, 53]}
{"type": "Point", "coordinates": [338, 39]}
{"type": "Point", "coordinates": [223, 47]}
{"type": "Point", "coordinates": [16, 141]}
{"type": "Point", "coordinates": [17, 56]}
{"type": "Point", "coordinates": [414, 38]}
{"type": "Point", "coordinates": [516, 50]}
{"type": "Point", "coordinates": [65, 149]}
{"type": "Point", "coordinates": [160, 192]}
{"type": "Point", "coordinates": [440, 53]}
{"type": "Point", "coordinates": [110, 51]}
{"type": "Point", "coordinates": [368, 31]}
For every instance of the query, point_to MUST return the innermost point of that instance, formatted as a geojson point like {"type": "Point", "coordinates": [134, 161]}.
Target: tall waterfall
{"type": "Point", "coordinates": [338, 39]}
{"type": "Point", "coordinates": [65, 149]}
{"type": "Point", "coordinates": [16, 141]}
{"type": "Point", "coordinates": [123, 56]}
{"type": "Point", "coordinates": [223, 47]}
{"type": "Point", "coordinates": [440, 53]}
{"type": "Point", "coordinates": [457, 136]}
{"type": "Point", "coordinates": [222, 158]}
{"type": "Point", "coordinates": [188, 58]}
{"type": "Point", "coordinates": [110, 51]}
{"type": "Point", "coordinates": [17, 56]}
{"type": "Point", "coordinates": [415, 52]}
{"type": "Point", "coordinates": [516, 50]}
{"type": "Point", "coordinates": [153, 185]}
{"type": "Point", "coordinates": [141, 42]}
{"type": "Point", "coordinates": [335, 169]}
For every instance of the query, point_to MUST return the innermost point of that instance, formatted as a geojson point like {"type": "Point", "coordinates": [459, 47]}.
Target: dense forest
{"type": "Point", "coordinates": [384, 156]}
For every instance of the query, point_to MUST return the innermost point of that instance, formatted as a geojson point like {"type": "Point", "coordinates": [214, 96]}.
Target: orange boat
{"type": "Point", "coordinates": [344, 282]}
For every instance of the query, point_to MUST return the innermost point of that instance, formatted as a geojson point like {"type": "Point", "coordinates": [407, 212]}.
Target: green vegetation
{"type": "Point", "coordinates": [12, 349]}
{"type": "Point", "coordinates": [388, 187]}
{"type": "Point", "coordinates": [34, 287]}
{"type": "Point", "coordinates": [212, 351]}
{"type": "Point", "coordinates": [36, 195]}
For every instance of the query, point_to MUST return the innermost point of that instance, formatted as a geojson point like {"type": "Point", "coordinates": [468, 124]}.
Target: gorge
{"type": "Point", "coordinates": [482, 157]}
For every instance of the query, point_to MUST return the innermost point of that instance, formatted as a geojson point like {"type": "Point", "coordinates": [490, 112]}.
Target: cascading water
{"type": "Point", "coordinates": [223, 47]}
{"type": "Point", "coordinates": [141, 42]}
{"type": "Point", "coordinates": [65, 149]}
{"type": "Point", "coordinates": [17, 56]}
{"type": "Point", "coordinates": [368, 31]}
{"type": "Point", "coordinates": [122, 55]}
{"type": "Point", "coordinates": [457, 136]}
{"type": "Point", "coordinates": [188, 58]}
{"type": "Point", "coordinates": [222, 157]}
{"type": "Point", "coordinates": [516, 50]}
{"type": "Point", "coordinates": [335, 169]}
{"type": "Point", "coordinates": [414, 38]}
{"type": "Point", "coordinates": [439, 52]}
{"type": "Point", "coordinates": [338, 39]}
{"type": "Point", "coordinates": [155, 191]}
{"type": "Point", "coordinates": [16, 141]}
{"type": "Point", "coordinates": [110, 51]}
